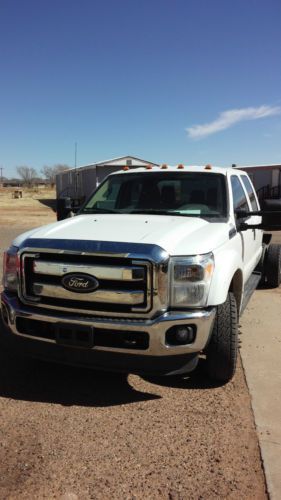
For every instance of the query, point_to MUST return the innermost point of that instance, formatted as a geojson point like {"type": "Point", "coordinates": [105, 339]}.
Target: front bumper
{"type": "Point", "coordinates": [167, 358]}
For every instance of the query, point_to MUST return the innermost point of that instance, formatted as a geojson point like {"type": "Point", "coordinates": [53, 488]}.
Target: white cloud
{"type": "Point", "coordinates": [228, 118]}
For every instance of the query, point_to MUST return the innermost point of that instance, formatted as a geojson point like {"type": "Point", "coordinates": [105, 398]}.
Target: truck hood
{"type": "Point", "coordinates": [177, 235]}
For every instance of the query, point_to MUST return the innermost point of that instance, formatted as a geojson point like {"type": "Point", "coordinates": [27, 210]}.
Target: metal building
{"type": "Point", "coordinates": [78, 183]}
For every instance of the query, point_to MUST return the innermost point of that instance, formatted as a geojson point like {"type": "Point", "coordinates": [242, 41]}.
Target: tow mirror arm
{"type": "Point", "coordinates": [271, 220]}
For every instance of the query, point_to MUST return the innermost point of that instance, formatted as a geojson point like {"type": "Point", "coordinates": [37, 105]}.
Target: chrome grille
{"type": "Point", "coordinates": [125, 285]}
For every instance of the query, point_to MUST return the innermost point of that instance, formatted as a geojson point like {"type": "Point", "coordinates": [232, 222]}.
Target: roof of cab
{"type": "Point", "coordinates": [182, 168]}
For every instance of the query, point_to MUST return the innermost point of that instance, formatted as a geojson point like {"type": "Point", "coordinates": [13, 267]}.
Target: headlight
{"type": "Point", "coordinates": [11, 267]}
{"type": "Point", "coordinates": [190, 280]}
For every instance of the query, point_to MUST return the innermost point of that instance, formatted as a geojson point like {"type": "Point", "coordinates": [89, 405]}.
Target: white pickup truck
{"type": "Point", "coordinates": [151, 274]}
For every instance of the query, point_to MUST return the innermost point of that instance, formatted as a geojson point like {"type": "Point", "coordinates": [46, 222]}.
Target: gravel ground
{"type": "Point", "coordinates": [72, 433]}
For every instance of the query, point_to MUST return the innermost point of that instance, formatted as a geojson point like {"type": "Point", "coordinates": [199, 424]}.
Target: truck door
{"type": "Point", "coordinates": [254, 206]}
{"type": "Point", "coordinates": [251, 244]}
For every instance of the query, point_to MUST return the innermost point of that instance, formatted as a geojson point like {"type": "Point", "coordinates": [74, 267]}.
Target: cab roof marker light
{"type": "Point", "coordinates": [148, 167]}
{"type": "Point", "coordinates": [208, 167]}
{"type": "Point", "coordinates": [164, 166]}
{"type": "Point", "coordinates": [126, 168]}
{"type": "Point", "coordinates": [180, 166]}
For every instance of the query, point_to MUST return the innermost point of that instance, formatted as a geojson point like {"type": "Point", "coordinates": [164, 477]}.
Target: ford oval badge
{"type": "Point", "coordinates": [79, 282]}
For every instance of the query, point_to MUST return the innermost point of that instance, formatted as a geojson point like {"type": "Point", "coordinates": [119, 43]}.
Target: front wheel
{"type": "Point", "coordinates": [221, 353]}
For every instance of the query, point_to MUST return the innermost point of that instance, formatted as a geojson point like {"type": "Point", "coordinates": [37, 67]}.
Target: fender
{"type": "Point", "coordinates": [228, 260]}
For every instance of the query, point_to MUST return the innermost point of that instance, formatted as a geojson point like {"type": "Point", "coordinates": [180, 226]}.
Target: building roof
{"type": "Point", "coordinates": [125, 158]}
{"type": "Point", "coordinates": [119, 161]}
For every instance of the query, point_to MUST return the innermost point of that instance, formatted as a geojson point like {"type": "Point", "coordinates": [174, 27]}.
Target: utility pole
{"type": "Point", "coordinates": [75, 172]}
{"type": "Point", "coordinates": [1, 176]}
{"type": "Point", "coordinates": [75, 155]}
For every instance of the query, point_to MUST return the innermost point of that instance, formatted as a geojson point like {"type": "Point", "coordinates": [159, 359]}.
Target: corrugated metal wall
{"type": "Point", "coordinates": [261, 178]}
{"type": "Point", "coordinates": [81, 182]}
{"type": "Point", "coordinates": [88, 181]}
{"type": "Point", "coordinates": [103, 172]}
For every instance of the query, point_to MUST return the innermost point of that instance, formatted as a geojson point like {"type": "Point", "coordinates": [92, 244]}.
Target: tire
{"type": "Point", "coordinates": [273, 266]}
{"type": "Point", "coordinates": [261, 267]}
{"type": "Point", "coordinates": [221, 353]}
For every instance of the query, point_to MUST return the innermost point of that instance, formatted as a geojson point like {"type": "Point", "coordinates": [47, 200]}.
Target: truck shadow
{"type": "Point", "coordinates": [28, 379]}
{"type": "Point", "coordinates": [195, 380]}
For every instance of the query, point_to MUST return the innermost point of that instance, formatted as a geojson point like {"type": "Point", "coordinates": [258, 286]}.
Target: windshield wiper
{"type": "Point", "coordinates": [155, 211]}
{"type": "Point", "coordinates": [99, 211]}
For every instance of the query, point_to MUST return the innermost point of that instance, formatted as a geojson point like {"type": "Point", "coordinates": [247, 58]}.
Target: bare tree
{"type": "Point", "coordinates": [51, 172]}
{"type": "Point", "coordinates": [28, 174]}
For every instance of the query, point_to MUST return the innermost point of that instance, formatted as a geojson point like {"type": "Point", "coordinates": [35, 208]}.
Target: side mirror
{"type": "Point", "coordinates": [242, 214]}
{"type": "Point", "coordinates": [64, 208]}
{"type": "Point", "coordinates": [271, 219]}
{"type": "Point", "coordinates": [67, 203]}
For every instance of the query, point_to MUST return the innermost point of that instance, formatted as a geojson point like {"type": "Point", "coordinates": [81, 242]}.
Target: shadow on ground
{"type": "Point", "coordinates": [50, 203]}
{"type": "Point", "coordinates": [27, 379]}
{"type": "Point", "coordinates": [195, 380]}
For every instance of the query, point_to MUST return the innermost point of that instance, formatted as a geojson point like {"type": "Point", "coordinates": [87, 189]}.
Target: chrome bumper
{"type": "Point", "coordinates": [156, 328]}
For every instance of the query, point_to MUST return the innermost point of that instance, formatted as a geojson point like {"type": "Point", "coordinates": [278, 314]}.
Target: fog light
{"type": "Point", "coordinates": [184, 334]}
{"type": "Point", "coordinates": [181, 335]}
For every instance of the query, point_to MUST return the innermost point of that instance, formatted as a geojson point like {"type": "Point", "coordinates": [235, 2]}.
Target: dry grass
{"type": "Point", "coordinates": [32, 209]}
{"type": "Point", "coordinates": [28, 192]}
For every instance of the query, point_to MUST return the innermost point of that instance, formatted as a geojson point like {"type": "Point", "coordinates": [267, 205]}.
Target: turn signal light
{"type": "Point", "coordinates": [11, 269]}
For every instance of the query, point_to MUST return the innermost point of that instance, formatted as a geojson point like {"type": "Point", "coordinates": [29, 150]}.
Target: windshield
{"type": "Point", "coordinates": [186, 194]}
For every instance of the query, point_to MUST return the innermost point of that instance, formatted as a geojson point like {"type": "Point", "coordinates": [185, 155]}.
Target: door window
{"type": "Point", "coordinates": [239, 197]}
{"type": "Point", "coordinates": [250, 192]}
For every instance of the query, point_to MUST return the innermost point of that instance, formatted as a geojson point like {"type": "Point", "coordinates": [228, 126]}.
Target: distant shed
{"type": "Point", "coordinates": [78, 183]}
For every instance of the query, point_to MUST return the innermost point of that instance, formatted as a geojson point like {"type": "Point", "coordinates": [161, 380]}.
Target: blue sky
{"type": "Point", "coordinates": [178, 81]}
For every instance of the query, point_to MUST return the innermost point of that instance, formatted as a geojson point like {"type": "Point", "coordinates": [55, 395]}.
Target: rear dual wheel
{"type": "Point", "coordinates": [272, 266]}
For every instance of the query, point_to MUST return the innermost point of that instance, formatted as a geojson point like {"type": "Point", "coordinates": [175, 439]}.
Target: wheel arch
{"type": "Point", "coordinates": [236, 287]}
{"type": "Point", "coordinates": [228, 277]}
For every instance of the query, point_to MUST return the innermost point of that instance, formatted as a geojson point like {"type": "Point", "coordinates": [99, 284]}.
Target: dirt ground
{"type": "Point", "coordinates": [71, 433]}
{"type": "Point", "coordinates": [35, 208]}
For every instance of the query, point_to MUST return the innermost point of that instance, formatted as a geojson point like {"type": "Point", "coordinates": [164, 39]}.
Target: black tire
{"type": "Point", "coordinates": [221, 353]}
{"type": "Point", "coordinates": [261, 267]}
{"type": "Point", "coordinates": [273, 266]}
